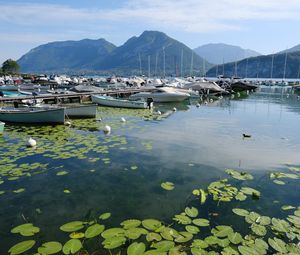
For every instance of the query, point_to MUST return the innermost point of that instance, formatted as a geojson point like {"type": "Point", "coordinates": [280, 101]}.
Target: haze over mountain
{"type": "Point", "coordinates": [293, 49]}
{"type": "Point", "coordinates": [261, 67]}
{"type": "Point", "coordinates": [133, 57]}
{"type": "Point", "coordinates": [219, 53]}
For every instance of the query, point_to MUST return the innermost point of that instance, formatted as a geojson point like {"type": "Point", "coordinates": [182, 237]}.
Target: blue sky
{"type": "Point", "coordinates": [266, 26]}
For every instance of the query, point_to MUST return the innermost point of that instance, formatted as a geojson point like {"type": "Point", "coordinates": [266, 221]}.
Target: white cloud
{"type": "Point", "coordinates": [183, 15]}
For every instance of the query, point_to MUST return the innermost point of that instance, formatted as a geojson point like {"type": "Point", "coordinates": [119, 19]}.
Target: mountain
{"type": "Point", "coordinates": [133, 57]}
{"type": "Point", "coordinates": [65, 56]}
{"type": "Point", "coordinates": [293, 49]}
{"type": "Point", "coordinates": [219, 53]}
{"type": "Point", "coordinates": [261, 67]}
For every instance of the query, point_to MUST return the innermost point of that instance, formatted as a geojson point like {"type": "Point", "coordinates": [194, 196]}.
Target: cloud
{"type": "Point", "coordinates": [183, 15]}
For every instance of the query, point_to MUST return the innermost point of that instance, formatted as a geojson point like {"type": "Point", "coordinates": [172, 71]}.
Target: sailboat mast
{"type": "Point", "coordinates": [284, 70]}
{"type": "Point", "coordinates": [192, 62]}
{"type": "Point", "coordinates": [272, 65]}
{"type": "Point", "coordinates": [164, 55]}
{"type": "Point", "coordinates": [203, 65]}
{"type": "Point", "coordinates": [246, 68]}
{"type": "Point", "coordinates": [140, 62]}
{"type": "Point", "coordinates": [149, 66]}
{"type": "Point", "coordinates": [181, 63]}
{"type": "Point", "coordinates": [156, 59]}
{"type": "Point", "coordinates": [223, 68]}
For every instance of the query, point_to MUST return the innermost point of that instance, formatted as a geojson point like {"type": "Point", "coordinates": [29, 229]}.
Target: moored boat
{"type": "Point", "coordinates": [116, 102]}
{"type": "Point", "coordinates": [32, 115]}
{"type": "Point", "coordinates": [162, 95]}
{"type": "Point", "coordinates": [2, 124]}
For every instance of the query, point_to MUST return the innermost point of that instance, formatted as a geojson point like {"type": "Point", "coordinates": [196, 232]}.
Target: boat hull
{"type": "Point", "coordinates": [159, 98]}
{"type": "Point", "coordinates": [40, 116]}
{"type": "Point", "coordinates": [81, 111]}
{"type": "Point", "coordinates": [112, 102]}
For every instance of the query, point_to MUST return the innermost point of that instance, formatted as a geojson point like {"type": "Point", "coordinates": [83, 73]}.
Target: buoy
{"type": "Point", "coordinates": [205, 102]}
{"type": "Point", "coordinates": [220, 97]}
{"type": "Point", "coordinates": [247, 92]}
{"type": "Point", "coordinates": [107, 129]}
{"type": "Point", "coordinates": [232, 96]}
{"type": "Point", "coordinates": [68, 123]}
{"type": "Point", "coordinates": [198, 105]}
{"type": "Point", "coordinates": [238, 94]}
{"type": "Point", "coordinates": [99, 119]}
{"type": "Point", "coordinates": [174, 109]}
{"type": "Point", "coordinates": [287, 96]}
{"type": "Point", "coordinates": [159, 112]}
{"type": "Point", "coordinates": [123, 119]}
{"type": "Point", "coordinates": [31, 142]}
{"type": "Point", "coordinates": [211, 100]}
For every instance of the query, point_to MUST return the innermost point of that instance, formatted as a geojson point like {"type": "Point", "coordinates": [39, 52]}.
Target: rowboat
{"type": "Point", "coordinates": [116, 102]}
{"type": "Point", "coordinates": [2, 124]}
{"type": "Point", "coordinates": [32, 115]}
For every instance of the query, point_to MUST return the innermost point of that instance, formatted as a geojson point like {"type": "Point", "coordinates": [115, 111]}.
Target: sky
{"type": "Point", "coordinates": [266, 26]}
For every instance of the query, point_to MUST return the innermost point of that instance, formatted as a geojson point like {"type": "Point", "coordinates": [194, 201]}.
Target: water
{"type": "Point", "coordinates": [121, 173]}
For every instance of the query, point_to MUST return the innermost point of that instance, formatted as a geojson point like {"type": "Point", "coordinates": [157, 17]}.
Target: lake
{"type": "Point", "coordinates": [77, 172]}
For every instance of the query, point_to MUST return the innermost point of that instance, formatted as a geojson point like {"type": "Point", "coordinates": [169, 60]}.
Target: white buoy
{"type": "Point", "coordinates": [99, 119]}
{"type": "Point", "coordinates": [68, 123]}
{"type": "Point", "coordinates": [211, 100]}
{"type": "Point", "coordinates": [123, 119]}
{"type": "Point", "coordinates": [287, 96]}
{"type": "Point", "coordinates": [31, 142]}
{"type": "Point", "coordinates": [198, 105]}
{"type": "Point", "coordinates": [232, 96]}
{"type": "Point", "coordinates": [107, 129]}
{"type": "Point", "coordinates": [247, 92]}
{"type": "Point", "coordinates": [205, 102]}
{"type": "Point", "coordinates": [159, 112]}
{"type": "Point", "coordinates": [238, 94]}
{"type": "Point", "coordinates": [174, 109]}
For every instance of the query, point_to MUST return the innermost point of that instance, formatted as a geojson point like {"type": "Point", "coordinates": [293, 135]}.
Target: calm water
{"type": "Point", "coordinates": [121, 173]}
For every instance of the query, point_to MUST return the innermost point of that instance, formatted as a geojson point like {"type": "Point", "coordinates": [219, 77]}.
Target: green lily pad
{"type": "Point", "coordinates": [287, 207]}
{"type": "Point", "coordinates": [169, 233]}
{"type": "Point", "coordinates": [72, 246]}
{"type": "Point", "coordinates": [192, 229]}
{"type": "Point", "coordinates": [114, 242]}
{"type": "Point", "coordinates": [279, 182]}
{"type": "Point", "coordinates": [280, 225]}
{"type": "Point", "coordinates": [239, 175]}
{"type": "Point", "coordinates": [61, 173]}
{"type": "Point", "coordinates": [153, 237]}
{"type": "Point", "coordinates": [21, 247]}
{"type": "Point", "coordinates": [278, 245]}
{"type": "Point", "coordinates": [246, 250]}
{"type": "Point", "coordinates": [183, 237]}
{"type": "Point", "coordinates": [94, 230]}
{"type": "Point", "coordinates": [19, 190]}
{"type": "Point", "coordinates": [163, 245]}
{"type": "Point", "coordinates": [136, 249]}
{"type": "Point", "coordinates": [240, 212]}
{"type": "Point", "coordinates": [135, 233]}
{"type": "Point", "coordinates": [50, 248]}
{"type": "Point", "coordinates": [201, 222]}
{"type": "Point", "coordinates": [182, 219]}
{"type": "Point", "coordinates": [113, 232]}
{"type": "Point", "coordinates": [151, 224]}
{"type": "Point", "coordinates": [198, 243]}
{"type": "Point", "coordinates": [25, 230]}
{"type": "Point", "coordinates": [104, 216]}
{"type": "Point", "coordinates": [76, 235]}
{"type": "Point", "coordinates": [167, 185]}
{"type": "Point", "coordinates": [235, 237]}
{"type": "Point", "coordinates": [259, 229]}
{"type": "Point", "coordinates": [127, 224]}
{"type": "Point", "coordinates": [72, 226]}
{"type": "Point", "coordinates": [222, 231]}
{"type": "Point", "coordinates": [191, 211]}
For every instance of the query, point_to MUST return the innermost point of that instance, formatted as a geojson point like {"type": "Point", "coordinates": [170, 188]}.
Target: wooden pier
{"type": "Point", "coordinates": [74, 97]}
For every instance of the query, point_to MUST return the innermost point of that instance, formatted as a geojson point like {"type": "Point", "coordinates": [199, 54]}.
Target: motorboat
{"type": "Point", "coordinates": [162, 95]}
{"type": "Point", "coordinates": [118, 102]}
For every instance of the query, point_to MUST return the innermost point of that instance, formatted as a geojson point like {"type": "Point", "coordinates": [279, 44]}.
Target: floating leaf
{"type": "Point", "coordinates": [192, 229]}
{"type": "Point", "coordinates": [153, 237]}
{"type": "Point", "coordinates": [182, 219]}
{"type": "Point", "coordinates": [183, 237]}
{"type": "Point", "coordinates": [250, 191]}
{"type": "Point", "coordinates": [151, 224]}
{"type": "Point", "coordinates": [240, 196]}
{"type": "Point", "coordinates": [201, 222]}
{"type": "Point", "coordinates": [169, 233]}
{"type": "Point", "coordinates": [279, 182]}
{"type": "Point", "coordinates": [239, 175]}
{"type": "Point", "coordinates": [252, 217]}
{"type": "Point", "coordinates": [25, 229]}
{"type": "Point", "coordinates": [114, 242]}
{"type": "Point", "coordinates": [287, 207]}
{"type": "Point", "coordinates": [72, 226]}
{"type": "Point", "coordinates": [113, 232]}
{"type": "Point", "coordinates": [72, 246]}
{"type": "Point", "coordinates": [198, 243]}
{"type": "Point", "coordinates": [61, 173]}
{"type": "Point", "coordinates": [50, 248]}
{"type": "Point", "coordinates": [245, 250]}
{"type": "Point", "coordinates": [135, 233]}
{"type": "Point", "coordinates": [278, 245]}
{"type": "Point", "coordinates": [203, 196]}
{"type": "Point", "coordinates": [192, 212]}
{"type": "Point", "coordinates": [222, 231]}
{"type": "Point", "coordinates": [94, 230]}
{"type": "Point", "coordinates": [76, 235]}
{"type": "Point", "coordinates": [136, 249]}
{"type": "Point", "coordinates": [67, 191]}
{"type": "Point", "coordinates": [104, 216]}
{"type": "Point", "coordinates": [235, 237]}
{"type": "Point", "coordinates": [19, 190]}
{"type": "Point", "coordinates": [177, 250]}
{"type": "Point", "coordinates": [130, 224]}
{"type": "Point", "coordinates": [167, 185]}
{"type": "Point", "coordinates": [21, 247]}
{"type": "Point", "coordinates": [259, 229]}
{"type": "Point", "coordinates": [240, 212]}
{"type": "Point", "coordinates": [163, 245]}
{"type": "Point", "coordinates": [280, 225]}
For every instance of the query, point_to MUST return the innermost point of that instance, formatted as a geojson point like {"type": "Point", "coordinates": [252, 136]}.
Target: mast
{"type": "Point", "coordinates": [298, 72]}
{"type": "Point", "coordinates": [284, 70]}
{"type": "Point", "coordinates": [140, 61]}
{"type": "Point", "coordinates": [272, 67]}
{"type": "Point", "coordinates": [181, 63]}
{"type": "Point", "coordinates": [235, 68]}
{"type": "Point", "coordinates": [204, 74]}
{"type": "Point", "coordinates": [149, 66]}
{"type": "Point", "coordinates": [217, 70]}
{"type": "Point", "coordinates": [223, 68]}
{"type": "Point", "coordinates": [246, 68]}
{"type": "Point", "coordinates": [164, 55]}
{"type": "Point", "coordinates": [156, 59]}
{"type": "Point", "coordinates": [192, 62]}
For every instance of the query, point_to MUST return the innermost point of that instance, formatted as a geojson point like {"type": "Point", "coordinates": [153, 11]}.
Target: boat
{"type": "Point", "coordinates": [8, 88]}
{"type": "Point", "coordinates": [162, 95]}
{"type": "Point", "coordinates": [2, 124]}
{"type": "Point", "coordinates": [32, 115]}
{"type": "Point", "coordinates": [117, 102]}
{"type": "Point", "coordinates": [74, 110]}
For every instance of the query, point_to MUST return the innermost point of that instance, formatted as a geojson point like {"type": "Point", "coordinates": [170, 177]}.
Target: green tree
{"type": "Point", "coordinates": [10, 66]}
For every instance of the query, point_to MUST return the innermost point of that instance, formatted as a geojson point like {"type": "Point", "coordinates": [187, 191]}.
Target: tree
{"type": "Point", "coordinates": [10, 66]}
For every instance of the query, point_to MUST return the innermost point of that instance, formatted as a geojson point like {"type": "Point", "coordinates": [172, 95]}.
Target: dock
{"type": "Point", "coordinates": [74, 96]}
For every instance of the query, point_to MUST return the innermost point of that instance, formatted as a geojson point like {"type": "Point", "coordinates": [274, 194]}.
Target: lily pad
{"type": "Point", "coordinates": [113, 232]}
{"type": "Point", "coordinates": [104, 216]}
{"type": "Point", "coordinates": [72, 226]}
{"type": "Point", "coordinates": [192, 229]}
{"type": "Point", "coordinates": [278, 245]}
{"type": "Point", "coordinates": [72, 246]}
{"type": "Point", "coordinates": [163, 245]}
{"type": "Point", "coordinates": [151, 224]}
{"type": "Point", "coordinates": [240, 212]}
{"type": "Point", "coordinates": [182, 219]}
{"type": "Point", "coordinates": [136, 249]}
{"type": "Point", "coordinates": [114, 242]}
{"type": "Point", "coordinates": [191, 211]}
{"type": "Point", "coordinates": [153, 237]}
{"type": "Point", "coordinates": [50, 248]}
{"type": "Point", "coordinates": [94, 230]}
{"type": "Point", "coordinates": [168, 185]}
{"type": "Point", "coordinates": [61, 173]}
{"type": "Point", "coordinates": [25, 229]}
{"type": "Point", "coordinates": [76, 235]}
{"type": "Point", "coordinates": [21, 247]}
{"type": "Point", "coordinates": [201, 222]}
{"type": "Point", "coordinates": [235, 237]}
{"type": "Point", "coordinates": [127, 224]}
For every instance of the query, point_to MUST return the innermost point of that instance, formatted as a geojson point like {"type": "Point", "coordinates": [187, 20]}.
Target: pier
{"type": "Point", "coordinates": [74, 97]}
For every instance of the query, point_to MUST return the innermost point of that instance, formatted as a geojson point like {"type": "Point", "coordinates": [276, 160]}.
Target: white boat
{"type": "Point", "coordinates": [32, 115]}
{"type": "Point", "coordinates": [162, 95]}
{"type": "Point", "coordinates": [116, 102]}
